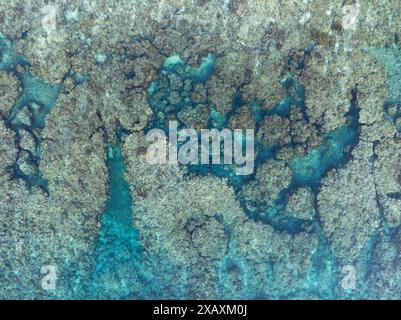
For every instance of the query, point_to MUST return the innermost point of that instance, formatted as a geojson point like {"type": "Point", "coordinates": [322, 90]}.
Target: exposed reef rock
{"type": "Point", "coordinates": [83, 82]}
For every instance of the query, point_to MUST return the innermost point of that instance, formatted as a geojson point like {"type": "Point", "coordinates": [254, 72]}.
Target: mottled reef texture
{"type": "Point", "coordinates": [81, 82]}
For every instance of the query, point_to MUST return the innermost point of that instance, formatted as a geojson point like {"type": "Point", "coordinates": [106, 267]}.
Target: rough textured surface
{"type": "Point", "coordinates": [82, 82]}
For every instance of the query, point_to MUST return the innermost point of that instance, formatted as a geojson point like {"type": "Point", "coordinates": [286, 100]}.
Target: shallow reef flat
{"type": "Point", "coordinates": [84, 215]}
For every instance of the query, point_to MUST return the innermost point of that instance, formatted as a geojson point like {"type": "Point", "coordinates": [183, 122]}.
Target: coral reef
{"type": "Point", "coordinates": [83, 82]}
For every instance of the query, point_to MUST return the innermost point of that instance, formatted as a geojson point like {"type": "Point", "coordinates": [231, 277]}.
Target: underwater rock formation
{"type": "Point", "coordinates": [83, 83]}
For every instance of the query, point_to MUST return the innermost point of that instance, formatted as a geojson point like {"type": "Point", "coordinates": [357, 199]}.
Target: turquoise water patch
{"type": "Point", "coordinates": [36, 91]}
{"type": "Point", "coordinates": [39, 98]}
{"type": "Point", "coordinates": [117, 253]}
{"type": "Point", "coordinates": [9, 57]}
{"type": "Point", "coordinates": [122, 269]}
{"type": "Point", "coordinates": [332, 153]}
